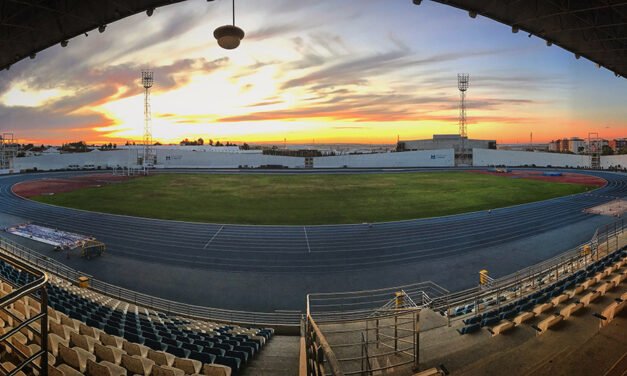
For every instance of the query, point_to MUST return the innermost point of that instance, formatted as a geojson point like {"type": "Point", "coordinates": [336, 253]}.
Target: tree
{"type": "Point", "coordinates": [606, 150]}
{"type": "Point", "coordinates": [210, 142]}
{"type": "Point", "coordinates": [200, 141]}
{"type": "Point", "coordinates": [218, 143]}
{"type": "Point", "coordinates": [245, 146]}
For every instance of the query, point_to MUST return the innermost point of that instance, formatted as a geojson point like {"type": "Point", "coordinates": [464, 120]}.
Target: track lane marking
{"type": "Point", "coordinates": [213, 237]}
{"type": "Point", "coordinates": [307, 239]}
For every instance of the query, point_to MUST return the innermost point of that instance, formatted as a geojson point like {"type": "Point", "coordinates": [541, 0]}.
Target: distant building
{"type": "Point", "coordinates": [618, 144]}
{"type": "Point", "coordinates": [576, 145]}
{"type": "Point", "coordinates": [524, 147]}
{"type": "Point", "coordinates": [444, 141]}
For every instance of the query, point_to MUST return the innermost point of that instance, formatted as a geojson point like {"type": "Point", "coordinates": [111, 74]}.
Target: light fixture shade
{"type": "Point", "coordinates": [229, 36]}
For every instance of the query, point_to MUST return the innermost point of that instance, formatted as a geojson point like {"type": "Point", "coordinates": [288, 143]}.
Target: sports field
{"type": "Point", "coordinates": [309, 199]}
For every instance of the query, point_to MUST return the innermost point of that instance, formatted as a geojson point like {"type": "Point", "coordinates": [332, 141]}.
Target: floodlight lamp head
{"type": "Point", "coordinates": [147, 79]}
{"type": "Point", "coordinates": [463, 81]}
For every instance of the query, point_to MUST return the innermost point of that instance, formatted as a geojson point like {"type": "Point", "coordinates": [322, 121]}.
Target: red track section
{"type": "Point", "coordinates": [51, 186]}
{"type": "Point", "coordinates": [537, 175]}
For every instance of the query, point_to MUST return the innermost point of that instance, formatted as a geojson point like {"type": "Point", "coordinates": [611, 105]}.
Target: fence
{"type": "Point", "coordinates": [34, 325]}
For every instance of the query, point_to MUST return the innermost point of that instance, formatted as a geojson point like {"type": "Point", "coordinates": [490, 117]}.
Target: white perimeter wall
{"type": "Point", "coordinates": [608, 161]}
{"type": "Point", "coordinates": [195, 159]}
{"type": "Point", "coordinates": [103, 159]}
{"type": "Point", "coordinates": [487, 157]}
{"type": "Point", "coordinates": [198, 159]}
{"type": "Point", "coordinates": [424, 158]}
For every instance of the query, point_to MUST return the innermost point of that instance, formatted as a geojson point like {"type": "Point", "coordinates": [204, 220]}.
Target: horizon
{"type": "Point", "coordinates": [365, 76]}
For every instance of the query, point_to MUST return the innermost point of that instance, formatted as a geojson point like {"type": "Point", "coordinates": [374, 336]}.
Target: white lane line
{"type": "Point", "coordinates": [307, 239]}
{"type": "Point", "coordinates": [213, 237]}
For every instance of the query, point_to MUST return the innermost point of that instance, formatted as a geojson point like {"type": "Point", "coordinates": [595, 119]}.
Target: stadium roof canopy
{"type": "Point", "coordinates": [594, 29]}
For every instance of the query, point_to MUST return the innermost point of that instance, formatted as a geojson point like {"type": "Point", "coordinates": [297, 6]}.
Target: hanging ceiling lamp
{"type": "Point", "coordinates": [229, 36]}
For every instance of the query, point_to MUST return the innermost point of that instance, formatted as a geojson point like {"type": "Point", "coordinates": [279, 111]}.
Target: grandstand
{"type": "Point", "coordinates": [98, 335]}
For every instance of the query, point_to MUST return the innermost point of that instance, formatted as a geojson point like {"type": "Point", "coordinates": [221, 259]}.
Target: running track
{"type": "Point", "coordinates": [302, 250]}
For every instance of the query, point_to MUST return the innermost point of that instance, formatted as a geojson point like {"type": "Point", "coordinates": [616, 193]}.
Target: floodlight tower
{"type": "Point", "coordinates": [147, 81]}
{"type": "Point", "coordinates": [463, 80]}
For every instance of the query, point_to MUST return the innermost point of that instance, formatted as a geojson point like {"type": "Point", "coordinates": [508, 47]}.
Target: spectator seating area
{"type": "Point", "coordinates": [554, 302]}
{"type": "Point", "coordinates": [93, 334]}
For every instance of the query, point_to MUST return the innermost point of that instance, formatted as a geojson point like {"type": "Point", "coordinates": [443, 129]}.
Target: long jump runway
{"type": "Point", "coordinates": [265, 268]}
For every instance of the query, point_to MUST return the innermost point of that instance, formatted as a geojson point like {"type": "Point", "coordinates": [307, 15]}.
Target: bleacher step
{"type": "Point", "coordinates": [279, 357]}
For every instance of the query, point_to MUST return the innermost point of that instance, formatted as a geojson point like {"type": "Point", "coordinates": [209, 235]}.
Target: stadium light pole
{"type": "Point", "coordinates": [147, 82]}
{"type": "Point", "coordinates": [463, 80]}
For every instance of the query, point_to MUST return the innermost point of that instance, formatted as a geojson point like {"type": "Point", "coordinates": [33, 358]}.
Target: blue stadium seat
{"type": "Point", "coordinates": [177, 351]}
{"type": "Point", "coordinates": [233, 363]}
{"type": "Point", "coordinates": [469, 329]}
{"type": "Point", "coordinates": [202, 357]}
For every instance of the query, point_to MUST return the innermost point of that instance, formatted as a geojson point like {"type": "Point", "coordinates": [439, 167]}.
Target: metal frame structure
{"type": "Point", "coordinates": [463, 81]}
{"type": "Point", "coordinates": [148, 158]}
{"type": "Point", "coordinates": [595, 148]}
{"type": "Point", "coordinates": [35, 290]}
{"type": "Point", "coordinates": [8, 151]}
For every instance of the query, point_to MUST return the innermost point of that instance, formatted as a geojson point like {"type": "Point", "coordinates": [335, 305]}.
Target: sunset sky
{"type": "Point", "coordinates": [358, 71]}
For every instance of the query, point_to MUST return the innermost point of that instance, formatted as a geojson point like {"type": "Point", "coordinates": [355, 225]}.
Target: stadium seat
{"type": "Point", "coordinates": [469, 329]}
{"type": "Point", "coordinates": [215, 370]}
{"type": "Point", "coordinates": [161, 357]}
{"type": "Point", "coordinates": [104, 368]}
{"type": "Point", "coordinates": [547, 323]}
{"type": "Point", "coordinates": [132, 348]}
{"type": "Point", "coordinates": [233, 363]}
{"type": "Point", "coordinates": [110, 354]}
{"type": "Point", "coordinates": [202, 357]}
{"type": "Point", "coordinates": [190, 366]}
{"type": "Point", "coordinates": [110, 340]}
{"type": "Point", "coordinates": [166, 371]}
{"type": "Point", "coordinates": [137, 365]}
{"type": "Point", "coordinates": [501, 327]}
{"type": "Point", "coordinates": [75, 357]}
{"type": "Point", "coordinates": [54, 341]}
{"type": "Point", "coordinates": [155, 345]}
{"type": "Point", "coordinates": [569, 309]}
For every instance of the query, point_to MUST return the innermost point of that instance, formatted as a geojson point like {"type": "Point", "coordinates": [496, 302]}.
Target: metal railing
{"type": "Point", "coordinates": [364, 346]}
{"type": "Point", "coordinates": [33, 325]}
{"type": "Point", "coordinates": [607, 239]}
{"type": "Point", "coordinates": [290, 321]}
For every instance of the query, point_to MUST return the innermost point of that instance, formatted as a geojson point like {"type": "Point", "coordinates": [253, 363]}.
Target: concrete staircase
{"type": "Point", "coordinates": [279, 357]}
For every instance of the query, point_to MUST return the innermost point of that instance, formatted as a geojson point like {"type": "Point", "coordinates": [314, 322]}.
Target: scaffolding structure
{"type": "Point", "coordinates": [148, 157]}
{"type": "Point", "coordinates": [595, 149]}
{"type": "Point", "coordinates": [8, 151]}
{"type": "Point", "coordinates": [463, 81]}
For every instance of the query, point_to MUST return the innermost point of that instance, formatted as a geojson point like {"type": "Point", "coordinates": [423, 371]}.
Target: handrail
{"type": "Point", "coordinates": [319, 352]}
{"type": "Point", "coordinates": [19, 292]}
{"type": "Point", "coordinates": [286, 319]}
